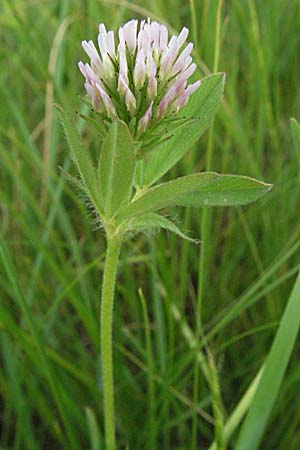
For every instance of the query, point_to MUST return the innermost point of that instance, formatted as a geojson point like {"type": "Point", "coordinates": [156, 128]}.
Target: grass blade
{"type": "Point", "coordinates": [268, 388]}
{"type": "Point", "coordinates": [54, 386]}
{"type": "Point", "coordinates": [95, 436]}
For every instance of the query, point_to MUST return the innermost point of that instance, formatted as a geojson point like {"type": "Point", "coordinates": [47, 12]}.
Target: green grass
{"type": "Point", "coordinates": [52, 250]}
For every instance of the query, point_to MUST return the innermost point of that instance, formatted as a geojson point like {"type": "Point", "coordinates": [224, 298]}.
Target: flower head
{"type": "Point", "coordinates": [143, 78]}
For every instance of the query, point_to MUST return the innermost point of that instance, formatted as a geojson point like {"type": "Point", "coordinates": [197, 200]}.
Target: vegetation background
{"type": "Point", "coordinates": [52, 249]}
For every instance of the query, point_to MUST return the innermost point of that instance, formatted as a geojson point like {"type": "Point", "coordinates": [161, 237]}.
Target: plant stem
{"type": "Point", "coordinates": [106, 321]}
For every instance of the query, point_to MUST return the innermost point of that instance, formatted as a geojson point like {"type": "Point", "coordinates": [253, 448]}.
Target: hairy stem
{"type": "Point", "coordinates": [106, 322]}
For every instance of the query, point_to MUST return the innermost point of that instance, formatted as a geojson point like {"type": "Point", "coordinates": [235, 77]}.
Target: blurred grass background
{"type": "Point", "coordinates": [52, 250]}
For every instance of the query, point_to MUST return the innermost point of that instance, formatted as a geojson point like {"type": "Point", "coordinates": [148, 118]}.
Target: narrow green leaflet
{"type": "Point", "coordinates": [151, 221]}
{"type": "Point", "coordinates": [226, 190]}
{"type": "Point", "coordinates": [81, 158]}
{"type": "Point", "coordinates": [202, 107]}
{"type": "Point", "coordinates": [116, 168]}
{"type": "Point", "coordinates": [200, 189]}
{"type": "Point", "coordinates": [269, 385]}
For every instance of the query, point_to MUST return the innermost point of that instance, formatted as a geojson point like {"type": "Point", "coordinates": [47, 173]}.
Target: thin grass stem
{"type": "Point", "coordinates": [205, 236]}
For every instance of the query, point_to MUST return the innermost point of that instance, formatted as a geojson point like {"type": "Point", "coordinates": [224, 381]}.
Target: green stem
{"type": "Point", "coordinates": [106, 321]}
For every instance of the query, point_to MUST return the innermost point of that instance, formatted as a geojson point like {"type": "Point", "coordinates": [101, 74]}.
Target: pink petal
{"type": "Point", "coordinates": [182, 37]}
{"type": "Point", "coordinates": [181, 62]}
{"type": "Point", "coordinates": [111, 111]}
{"type": "Point", "coordinates": [145, 119]}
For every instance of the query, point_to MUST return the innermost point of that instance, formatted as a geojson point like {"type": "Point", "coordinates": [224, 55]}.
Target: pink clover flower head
{"type": "Point", "coordinates": [141, 78]}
